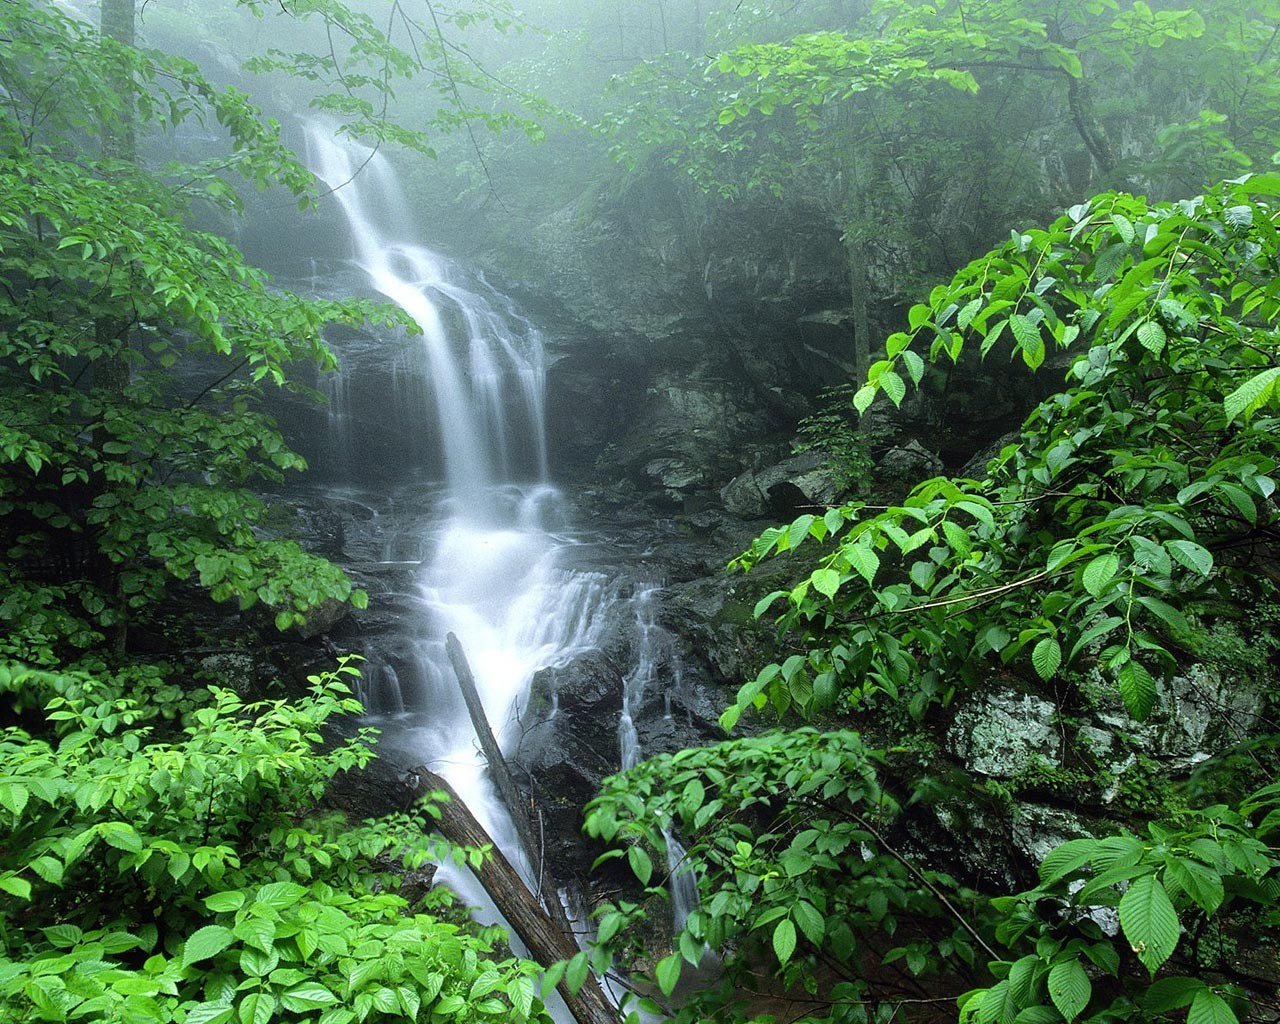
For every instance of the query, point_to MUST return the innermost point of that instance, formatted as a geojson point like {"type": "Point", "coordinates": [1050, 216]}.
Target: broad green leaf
{"type": "Point", "coordinates": [1171, 994]}
{"type": "Point", "coordinates": [1149, 922]}
{"type": "Point", "coordinates": [784, 940]}
{"type": "Point", "coordinates": [1047, 657]}
{"type": "Point", "coordinates": [668, 973]}
{"type": "Point", "coordinates": [894, 387]}
{"type": "Point", "coordinates": [1207, 1007]}
{"type": "Point", "coordinates": [641, 864]}
{"type": "Point", "coordinates": [1252, 395]}
{"type": "Point", "coordinates": [1137, 689]}
{"type": "Point", "coordinates": [1191, 555]}
{"type": "Point", "coordinates": [826, 582]}
{"type": "Point", "coordinates": [1069, 988]}
{"type": "Point", "coordinates": [209, 941]}
{"type": "Point", "coordinates": [1152, 337]}
{"type": "Point", "coordinates": [1100, 572]}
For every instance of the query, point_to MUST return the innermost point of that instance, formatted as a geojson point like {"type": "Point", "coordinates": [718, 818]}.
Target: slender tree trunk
{"type": "Point", "coordinates": [117, 24]}
{"type": "Point", "coordinates": [856, 253]}
{"type": "Point", "coordinates": [546, 942]}
{"type": "Point", "coordinates": [111, 372]}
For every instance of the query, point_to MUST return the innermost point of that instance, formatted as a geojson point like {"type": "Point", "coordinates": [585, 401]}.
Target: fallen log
{"type": "Point", "coordinates": [546, 942]}
{"type": "Point", "coordinates": [510, 795]}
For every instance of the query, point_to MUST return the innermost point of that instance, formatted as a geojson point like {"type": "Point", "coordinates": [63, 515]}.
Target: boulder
{"type": "Point", "coordinates": [1003, 733]}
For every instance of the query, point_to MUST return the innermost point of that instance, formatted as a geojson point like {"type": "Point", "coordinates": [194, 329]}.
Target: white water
{"type": "Point", "coordinates": [493, 568]}
{"type": "Point", "coordinates": [493, 571]}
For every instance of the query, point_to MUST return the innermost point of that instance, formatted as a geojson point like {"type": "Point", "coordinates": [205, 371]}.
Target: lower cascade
{"type": "Point", "coordinates": [484, 534]}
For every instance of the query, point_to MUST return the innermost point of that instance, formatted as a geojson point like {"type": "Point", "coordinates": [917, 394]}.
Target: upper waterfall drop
{"type": "Point", "coordinates": [485, 365]}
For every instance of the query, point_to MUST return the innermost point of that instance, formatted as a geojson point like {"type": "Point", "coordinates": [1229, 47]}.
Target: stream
{"type": "Point", "coordinates": [467, 524]}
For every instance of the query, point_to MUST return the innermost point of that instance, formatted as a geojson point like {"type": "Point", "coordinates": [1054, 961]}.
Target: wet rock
{"type": "Point", "coordinates": [237, 670]}
{"type": "Point", "coordinates": [569, 750]}
{"type": "Point", "coordinates": [1199, 713]}
{"type": "Point", "coordinates": [322, 618]}
{"type": "Point", "coordinates": [803, 481]}
{"type": "Point", "coordinates": [1003, 733]}
{"type": "Point", "coordinates": [904, 466]}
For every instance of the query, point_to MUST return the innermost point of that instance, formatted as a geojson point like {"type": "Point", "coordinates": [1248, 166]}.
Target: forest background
{"type": "Point", "coordinates": [156, 864]}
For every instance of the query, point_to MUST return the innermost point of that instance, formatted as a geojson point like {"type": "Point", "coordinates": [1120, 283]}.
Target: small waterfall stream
{"type": "Point", "coordinates": [492, 540]}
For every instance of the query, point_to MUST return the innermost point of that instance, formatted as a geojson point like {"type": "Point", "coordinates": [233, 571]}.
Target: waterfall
{"type": "Point", "coordinates": [486, 557]}
{"type": "Point", "coordinates": [492, 569]}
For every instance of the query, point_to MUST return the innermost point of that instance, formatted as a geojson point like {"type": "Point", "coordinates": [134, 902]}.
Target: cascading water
{"type": "Point", "coordinates": [490, 545]}
{"type": "Point", "coordinates": [492, 571]}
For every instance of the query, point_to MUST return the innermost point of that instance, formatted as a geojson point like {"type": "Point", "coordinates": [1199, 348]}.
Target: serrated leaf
{"type": "Point", "coordinates": [1098, 573]}
{"type": "Point", "coordinates": [1151, 336]}
{"type": "Point", "coordinates": [1208, 1007]}
{"type": "Point", "coordinates": [893, 386]}
{"type": "Point", "coordinates": [784, 940]}
{"type": "Point", "coordinates": [1171, 994]}
{"type": "Point", "coordinates": [965, 317]}
{"type": "Point", "coordinates": [915, 366]}
{"type": "Point", "coordinates": [811, 922]}
{"type": "Point", "coordinates": [863, 561]}
{"type": "Point", "coordinates": [1149, 922]}
{"type": "Point", "coordinates": [209, 941]}
{"type": "Point", "coordinates": [1070, 989]}
{"type": "Point", "coordinates": [1137, 689]}
{"type": "Point", "coordinates": [1025, 333]}
{"type": "Point", "coordinates": [826, 582]}
{"type": "Point", "coordinates": [1064, 859]}
{"type": "Point", "coordinates": [1047, 657]}
{"type": "Point", "coordinates": [1191, 555]}
{"type": "Point", "coordinates": [1250, 396]}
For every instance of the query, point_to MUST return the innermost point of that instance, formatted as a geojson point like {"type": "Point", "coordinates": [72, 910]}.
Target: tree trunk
{"type": "Point", "coordinates": [111, 372]}
{"type": "Point", "coordinates": [500, 772]}
{"type": "Point", "coordinates": [546, 942]}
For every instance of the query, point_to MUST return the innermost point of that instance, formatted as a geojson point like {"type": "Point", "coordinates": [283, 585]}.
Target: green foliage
{"type": "Point", "coordinates": [832, 431]}
{"type": "Point", "coordinates": [1126, 505]}
{"type": "Point", "coordinates": [1164, 888]}
{"type": "Point", "coordinates": [787, 842]}
{"type": "Point", "coordinates": [160, 876]}
{"type": "Point", "coordinates": [132, 351]}
{"type": "Point", "coordinates": [1101, 548]}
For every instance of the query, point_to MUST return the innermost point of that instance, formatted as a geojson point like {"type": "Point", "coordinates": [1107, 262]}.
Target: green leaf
{"type": "Point", "coordinates": [784, 940]}
{"type": "Point", "coordinates": [205, 943]}
{"type": "Point", "coordinates": [1171, 994]}
{"type": "Point", "coordinates": [965, 317]}
{"type": "Point", "coordinates": [1100, 572]}
{"type": "Point", "coordinates": [1069, 988]}
{"type": "Point", "coordinates": [1137, 689]}
{"type": "Point", "coordinates": [826, 582]}
{"type": "Point", "coordinates": [225, 902]}
{"type": "Point", "coordinates": [1047, 657]}
{"type": "Point", "coordinates": [1208, 1007]}
{"type": "Point", "coordinates": [812, 924]}
{"type": "Point", "coordinates": [893, 386]}
{"type": "Point", "coordinates": [1149, 922]}
{"type": "Point", "coordinates": [257, 1008]}
{"type": "Point", "coordinates": [915, 366]}
{"type": "Point", "coordinates": [16, 886]}
{"type": "Point", "coordinates": [1252, 395]}
{"type": "Point", "coordinates": [1151, 336]}
{"type": "Point", "coordinates": [668, 973]}
{"type": "Point", "coordinates": [1191, 555]}
{"type": "Point", "coordinates": [309, 995]}
{"type": "Point", "coordinates": [641, 864]}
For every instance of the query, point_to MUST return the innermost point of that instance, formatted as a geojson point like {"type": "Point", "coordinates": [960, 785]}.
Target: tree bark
{"type": "Point", "coordinates": [545, 941]}
{"type": "Point", "coordinates": [510, 795]}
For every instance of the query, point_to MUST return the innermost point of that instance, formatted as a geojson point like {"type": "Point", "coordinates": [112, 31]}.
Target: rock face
{"type": "Point", "coordinates": [1080, 773]}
